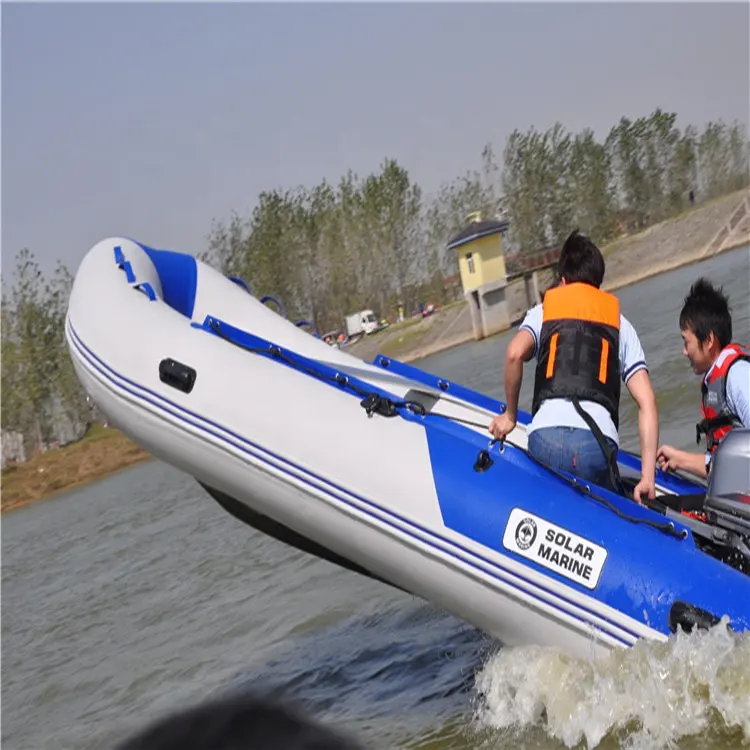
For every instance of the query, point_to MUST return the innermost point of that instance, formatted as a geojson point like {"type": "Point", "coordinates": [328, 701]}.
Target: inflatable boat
{"type": "Point", "coordinates": [390, 471]}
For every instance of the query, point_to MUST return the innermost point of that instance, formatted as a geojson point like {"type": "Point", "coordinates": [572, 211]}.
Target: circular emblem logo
{"type": "Point", "coordinates": [526, 533]}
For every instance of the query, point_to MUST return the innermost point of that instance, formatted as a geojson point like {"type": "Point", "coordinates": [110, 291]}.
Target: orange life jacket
{"type": "Point", "coordinates": [718, 419]}
{"type": "Point", "coordinates": [579, 347]}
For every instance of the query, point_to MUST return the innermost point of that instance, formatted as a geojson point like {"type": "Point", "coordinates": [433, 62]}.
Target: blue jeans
{"type": "Point", "coordinates": [573, 450]}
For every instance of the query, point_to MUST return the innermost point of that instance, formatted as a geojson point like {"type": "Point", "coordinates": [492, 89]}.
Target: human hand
{"type": "Point", "coordinates": [501, 425]}
{"type": "Point", "coordinates": [645, 487]}
{"type": "Point", "coordinates": [669, 458]}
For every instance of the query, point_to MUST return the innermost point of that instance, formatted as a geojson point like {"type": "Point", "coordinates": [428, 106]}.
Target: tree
{"type": "Point", "coordinates": [374, 241]}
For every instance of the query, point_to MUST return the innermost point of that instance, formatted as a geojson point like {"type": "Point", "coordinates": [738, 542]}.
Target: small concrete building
{"type": "Point", "coordinates": [481, 264]}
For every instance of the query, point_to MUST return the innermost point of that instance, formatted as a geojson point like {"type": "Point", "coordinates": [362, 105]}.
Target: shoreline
{"type": "Point", "coordinates": [101, 452]}
{"type": "Point", "coordinates": [630, 280]}
{"type": "Point", "coordinates": [716, 226]}
{"type": "Point", "coordinates": [105, 450]}
{"type": "Point", "coordinates": [669, 266]}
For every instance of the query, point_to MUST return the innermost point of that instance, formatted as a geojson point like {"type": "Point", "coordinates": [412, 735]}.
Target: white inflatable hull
{"type": "Point", "coordinates": [303, 452]}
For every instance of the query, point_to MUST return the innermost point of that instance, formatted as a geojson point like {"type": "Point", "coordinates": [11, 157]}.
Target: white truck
{"type": "Point", "coordinates": [362, 322]}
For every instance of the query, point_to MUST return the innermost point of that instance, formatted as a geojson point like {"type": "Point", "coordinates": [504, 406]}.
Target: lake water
{"type": "Point", "coordinates": [138, 594]}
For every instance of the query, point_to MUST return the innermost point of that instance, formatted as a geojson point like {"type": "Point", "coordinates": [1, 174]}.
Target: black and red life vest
{"type": "Point", "coordinates": [718, 419]}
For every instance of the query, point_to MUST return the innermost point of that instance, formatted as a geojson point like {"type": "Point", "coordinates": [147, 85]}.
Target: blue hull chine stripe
{"type": "Point", "coordinates": [668, 482]}
{"type": "Point", "coordinates": [587, 617]}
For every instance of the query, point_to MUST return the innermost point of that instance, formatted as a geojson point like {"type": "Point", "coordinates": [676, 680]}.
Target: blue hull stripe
{"type": "Point", "coordinates": [511, 579]}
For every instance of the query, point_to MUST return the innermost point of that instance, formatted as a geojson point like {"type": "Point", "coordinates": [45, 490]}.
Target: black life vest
{"type": "Point", "coordinates": [579, 348]}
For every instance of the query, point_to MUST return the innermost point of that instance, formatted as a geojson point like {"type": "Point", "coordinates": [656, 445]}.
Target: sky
{"type": "Point", "coordinates": [152, 120]}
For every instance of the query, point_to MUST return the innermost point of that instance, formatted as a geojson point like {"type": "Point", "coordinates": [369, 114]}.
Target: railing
{"type": "Point", "coordinates": [525, 263]}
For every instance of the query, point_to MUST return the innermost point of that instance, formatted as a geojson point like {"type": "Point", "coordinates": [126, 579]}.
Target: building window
{"type": "Point", "coordinates": [470, 262]}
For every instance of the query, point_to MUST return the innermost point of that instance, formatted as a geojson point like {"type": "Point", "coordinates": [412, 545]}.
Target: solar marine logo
{"type": "Point", "coordinates": [526, 533]}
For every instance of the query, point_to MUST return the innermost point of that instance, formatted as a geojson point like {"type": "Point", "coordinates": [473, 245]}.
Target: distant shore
{"type": "Point", "coordinates": [102, 451]}
{"type": "Point", "coordinates": [680, 241]}
{"type": "Point", "coordinates": [417, 352]}
{"type": "Point", "coordinates": [671, 265]}
{"type": "Point", "coordinates": [677, 242]}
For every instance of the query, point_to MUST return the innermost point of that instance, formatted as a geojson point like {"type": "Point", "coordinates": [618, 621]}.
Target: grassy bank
{"type": "Point", "coordinates": [102, 451]}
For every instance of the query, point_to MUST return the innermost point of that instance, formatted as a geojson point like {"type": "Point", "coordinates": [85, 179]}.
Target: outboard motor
{"type": "Point", "coordinates": [727, 503]}
{"type": "Point", "coordinates": [728, 492]}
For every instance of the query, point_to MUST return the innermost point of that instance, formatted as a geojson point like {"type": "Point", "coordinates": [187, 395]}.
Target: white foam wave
{"type": "Point", "coordinates": [650, 696]}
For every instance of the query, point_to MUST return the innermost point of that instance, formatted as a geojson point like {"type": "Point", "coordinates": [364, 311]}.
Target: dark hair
{"type": "Point", "coordinates": [581, 260]}
{"type": "Point", "coordinates": [239, 722]}
{"type": "Point", "coordinates": [706, 310]}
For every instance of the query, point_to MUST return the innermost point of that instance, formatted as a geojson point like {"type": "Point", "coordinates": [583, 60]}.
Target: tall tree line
{"type": "Point", "coordinates": [41, 397]}
{"type": "Point", "coordinates": [643, 172]}
{"type": "Point", "coordinates": [377, 241]}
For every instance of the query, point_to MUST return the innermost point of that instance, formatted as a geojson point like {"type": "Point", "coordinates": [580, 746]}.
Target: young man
{"type": "Point", "coordinates": [706, 327]}
{"type": "Point", "coordinates": [584, 348]}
